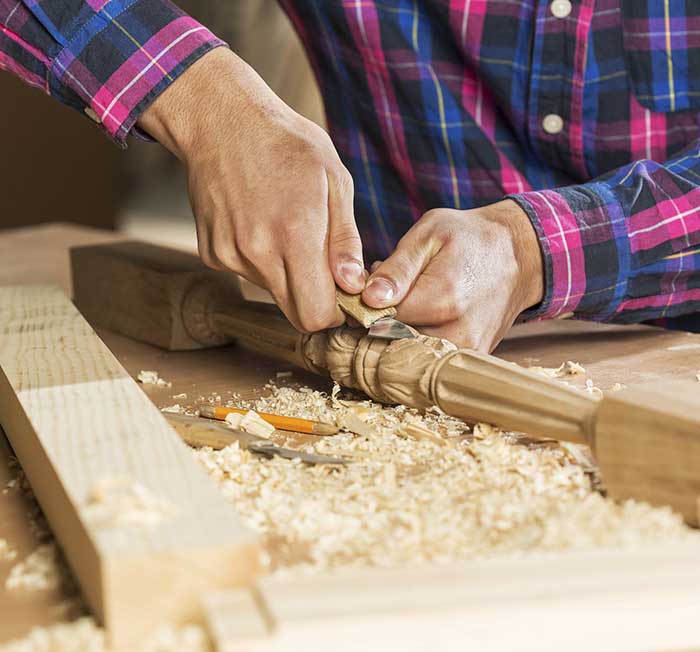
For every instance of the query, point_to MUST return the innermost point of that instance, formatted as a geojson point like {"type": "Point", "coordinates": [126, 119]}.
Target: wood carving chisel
{"type": "Point", "coordinates": [198, 432]}
{"type": "Point", "coordinates": [379, 322]}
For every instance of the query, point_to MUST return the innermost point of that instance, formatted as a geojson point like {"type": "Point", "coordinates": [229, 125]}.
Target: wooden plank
{"type": "Point", "coordinates": [89, 440]}
{"type": "Point", "coordinates": [642, 600]}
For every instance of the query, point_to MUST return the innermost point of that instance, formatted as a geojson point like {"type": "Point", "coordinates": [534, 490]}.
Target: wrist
{"type": "Point", "coordinates": [527, 252]}
{"type": "Point", "coordinates": [175, 118]}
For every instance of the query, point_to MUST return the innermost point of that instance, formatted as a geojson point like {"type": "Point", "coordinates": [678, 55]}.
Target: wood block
{"type": "Point", "coordinates": [143, 528]}
{"type": "Point", "coordinates": [352, 304]}
{"type": "Point", "coordinates": [144, 289]}
{"type": "Point", "coordinates": [647, 443]}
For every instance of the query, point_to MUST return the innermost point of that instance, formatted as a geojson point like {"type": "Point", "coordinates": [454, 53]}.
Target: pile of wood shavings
{"type": "Point", "coordinates": [404, 500]}
{"type": "Point", "coordinates": [84, 635]}
{"type": "Point", "coordinates": [39, 571]}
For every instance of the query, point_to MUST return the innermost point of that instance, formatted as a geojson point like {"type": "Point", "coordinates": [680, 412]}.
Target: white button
{"type": "Point", "coordinates": [552, 123]}
{"type": "Point", "coordinates": [560, 8]}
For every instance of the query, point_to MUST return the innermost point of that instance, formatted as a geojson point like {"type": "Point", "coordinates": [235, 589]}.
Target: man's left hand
{"type": "Point", "coordinates": [462, 275]}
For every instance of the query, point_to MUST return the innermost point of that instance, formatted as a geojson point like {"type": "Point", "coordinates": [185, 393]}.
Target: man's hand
{"type": "Point", "coordinates": [462, 275]}
{"type": "Point", "coordinates": [271, 198]}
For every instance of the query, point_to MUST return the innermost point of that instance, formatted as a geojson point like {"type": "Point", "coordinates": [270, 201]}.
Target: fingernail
{"type": "Point", "coordinates": [352, 273]}
{"type": "Point", "coordinates": [380, 290]}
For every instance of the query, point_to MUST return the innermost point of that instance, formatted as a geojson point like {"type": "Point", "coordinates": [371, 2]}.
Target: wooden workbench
{"type": "Point", "coordinates": [628, 355]}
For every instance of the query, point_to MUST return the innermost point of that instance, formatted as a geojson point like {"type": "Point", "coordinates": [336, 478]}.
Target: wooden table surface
{"type": "Point", "coordinates": [628, 355]}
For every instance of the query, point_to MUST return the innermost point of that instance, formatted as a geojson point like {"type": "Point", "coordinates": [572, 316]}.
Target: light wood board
{"type": "Point", "coordinates": [82, 428]}
{"type": "Point", "coordinates": [585, 601]}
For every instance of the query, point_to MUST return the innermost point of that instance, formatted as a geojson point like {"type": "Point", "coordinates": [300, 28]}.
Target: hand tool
{"type": "Point", "coordinates": [380, 322]}
{"type": "Point", "coordinates": [149, 294]}
{"type": "Point", "coordinates": [293, 424]}
{"type": "Point", "coordinates": [198, 432]}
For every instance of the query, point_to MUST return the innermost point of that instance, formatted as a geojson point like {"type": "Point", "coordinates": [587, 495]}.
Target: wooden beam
{"type": "Point", "coordinates": [623, 600]}
{"type": "Point", "coordinates": [143, 528]}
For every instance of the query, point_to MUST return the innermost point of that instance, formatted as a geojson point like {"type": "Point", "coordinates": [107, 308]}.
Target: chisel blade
{"type": "Point", "coordinates": [388, 328]}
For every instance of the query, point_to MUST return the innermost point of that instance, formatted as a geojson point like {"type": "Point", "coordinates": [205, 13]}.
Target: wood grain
{"type": "Point", "coordinates": [604, 600]}
{"type": "Point", "coordinates": [647, 443]}
{"type": "Point", "coordinates": [352, 304]}
{"type": "Point", "coordinates": [78, 422]}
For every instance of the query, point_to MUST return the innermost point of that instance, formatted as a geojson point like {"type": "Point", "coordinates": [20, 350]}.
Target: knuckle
{"type": "Point", "coordinates": [207, 257]}
{"type": "Point", "coordinates": [344, 180]}
{"type": "Point", "coordinates": [226, 256]}
{"type": "Point", "coordinates": [346, 235]}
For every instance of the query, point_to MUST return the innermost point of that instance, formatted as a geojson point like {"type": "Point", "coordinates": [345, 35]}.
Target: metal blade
{"type": "Point", "coordinates": [271, 450]}
{"type": "Point", "coordinates": [388, 328]}
{"type": "Point", "coordinates": [197, 431]}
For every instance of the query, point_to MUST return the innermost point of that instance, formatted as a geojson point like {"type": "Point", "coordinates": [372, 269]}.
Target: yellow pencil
{"type": "Point", "coordinates": [280, 422]}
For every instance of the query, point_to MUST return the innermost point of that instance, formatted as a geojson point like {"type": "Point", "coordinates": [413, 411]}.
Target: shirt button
{"type": "Point", "coordinates": [560, 8]}
{"type": "Point", "coordinates": [552, 123]}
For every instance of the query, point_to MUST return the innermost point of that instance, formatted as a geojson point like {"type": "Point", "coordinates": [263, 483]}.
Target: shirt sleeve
{"type": "Point", "coordinates": [624, 247]}
{"type": "Point", "coordinates": [108, 59]}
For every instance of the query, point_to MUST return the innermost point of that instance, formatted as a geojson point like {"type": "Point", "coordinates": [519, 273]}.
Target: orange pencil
{"type": "Point", "coordinates": [281, 423]}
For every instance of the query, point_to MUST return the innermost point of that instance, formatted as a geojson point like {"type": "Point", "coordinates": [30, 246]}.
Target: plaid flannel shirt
{"type": "Point", "coordinates": [585, 112]}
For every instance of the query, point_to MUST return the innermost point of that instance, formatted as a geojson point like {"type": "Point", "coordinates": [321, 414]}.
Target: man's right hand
{"type": "Point", "coordinates": [271, 199]}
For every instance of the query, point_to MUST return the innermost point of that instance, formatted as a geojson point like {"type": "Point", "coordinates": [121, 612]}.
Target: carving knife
{"type": "Point", "coordinates": [380, 322]}
{"type": "Point", "coordinates": [198, 432]}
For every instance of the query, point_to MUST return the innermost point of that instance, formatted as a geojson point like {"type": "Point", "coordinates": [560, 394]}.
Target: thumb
{"type": "Point", "coordinates": [393, 278]}
{"type": "Point", "coordinates": [344, 244]}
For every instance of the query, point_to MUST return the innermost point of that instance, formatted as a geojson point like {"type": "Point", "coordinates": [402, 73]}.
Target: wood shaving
{"type": "Point", "coordinates": [567, 368]}
{"type": "Point", "coordinates": [176, 409]}
{"type": "Point", "coordinates": [284, 374]}
{"type": "Point", "coordinates": [121, 502]}
{"type": "Point", "coordinates": [84, 635]}
{"type": "Point", "coordinates": [152, 378]}
{"type": "Point", "coordinates": [250, 422]}
{"type": "Point", "coordinates": [592, 389]}
{"type": "Point", "coordinates": [180, 396]}
{"type": "Point", "coordinates": [407, 501]}
{"type": "Point", "coordinates": [40, 571]}
{"type": "Point", "coordinates": [7, 552]}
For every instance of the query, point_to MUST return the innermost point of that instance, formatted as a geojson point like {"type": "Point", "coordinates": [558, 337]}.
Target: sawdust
{"type": "Point", "coordinates": [567, 368]}
{"type": "Point", "coordinates": [593, 390]}
{"type": "Point", "coordinates": [39, 571]}
{"type": "Point", "coordinates": [459, 494]}
{"type": "Point", "coordinates": [84, 635]}
{"type": "Point", "coordinates": [7, 552]}
{"type": "Point", "coordinates": [121, 502]}
{"type": "Point", "coordinates": [152, 378]}
{"type": "Point", "coordinates": [175, 409]}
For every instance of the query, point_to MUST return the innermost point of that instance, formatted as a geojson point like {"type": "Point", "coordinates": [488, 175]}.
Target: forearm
{"type": "Point", "coordinates": [109, 64]}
